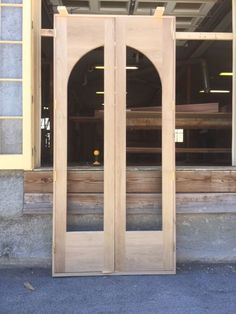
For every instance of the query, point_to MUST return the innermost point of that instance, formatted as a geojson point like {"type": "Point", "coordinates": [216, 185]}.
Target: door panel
{"type": "Point", "coordinates": [114, 250]}
{"type": "Point", "coordinates": [82, 251]}
{"type": "Point", "coordinates": [146, 251]}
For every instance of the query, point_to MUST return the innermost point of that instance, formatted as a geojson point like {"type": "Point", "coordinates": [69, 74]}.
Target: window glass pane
{"type": "Point", "coordinates": [143, 143]}
{"type": "Point", "coordinates": [10, 99]}
{"type": "Point", "coordinates": [10, 136]}
{"type": "Point", "coordinates": [11, 23]}
{"type": "Point", "coordinates": [11, 61]}
{"type": "Point", "coordinates": [204, 103]}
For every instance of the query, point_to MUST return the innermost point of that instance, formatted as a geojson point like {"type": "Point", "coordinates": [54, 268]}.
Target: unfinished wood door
{"type": "Point", "coordinates": [84, 251]}
{"type": "Point", "coordinates": [149, 251]}
{"type": "Point", "coordinates": [113, 250]}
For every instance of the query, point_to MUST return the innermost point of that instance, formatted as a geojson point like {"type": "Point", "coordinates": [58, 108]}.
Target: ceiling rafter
{"type": "Point", "coordinates": [189, 13]}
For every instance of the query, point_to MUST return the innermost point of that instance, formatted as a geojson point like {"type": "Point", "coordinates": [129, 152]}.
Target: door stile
{"type": "Point", "coordinates": [60, 145]}
{"type": "Point", "coordinates": [109, 146]}
{"type": "Point", "coordinates": [120, 148]}
{"type": "Point", "coordinates": [168, 149]}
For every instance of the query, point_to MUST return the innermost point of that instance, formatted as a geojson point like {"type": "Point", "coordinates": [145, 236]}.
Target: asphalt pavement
{"type": "Point", "coordinates": [195, 289]}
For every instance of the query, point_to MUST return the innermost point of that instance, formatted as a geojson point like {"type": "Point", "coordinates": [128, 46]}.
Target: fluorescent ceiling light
{"type": "Point", "coordinates": [101, 67]}
{"type": "Point", "coordinates": [216, 91]}
{"type": "Point", "coordinates": [131, 67]}
{"type": "Point", "coordinates": [101, 93]}
{"type": "Point", "coordinates": [226, 74]}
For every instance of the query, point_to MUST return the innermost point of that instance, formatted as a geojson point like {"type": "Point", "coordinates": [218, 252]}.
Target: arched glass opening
{"type": "Point", "coordinates": [86, 100]}
{"type": "Point", "coordinates": [85, 131]}
{"type": "Point", "coordinates": [143, 100]}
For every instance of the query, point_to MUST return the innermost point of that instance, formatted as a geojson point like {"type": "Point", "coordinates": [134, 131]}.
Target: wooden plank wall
{"type": "Point", "coordinates": [148, 203]}
{"type": "Point", "coordinates": [199, 191]}
{"type": "Point", "coordinates": [141, 181]}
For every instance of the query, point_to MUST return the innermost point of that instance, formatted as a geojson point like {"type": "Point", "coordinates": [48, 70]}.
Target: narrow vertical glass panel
{"type": "Point", "coordinates": [86, 142]}
{"type": "Point", "coordinates": [10, 98]}
{"type": "Point", "coordinates": [11, 23]}
{"type": "Point", "coordinates": [10, 136]}
{"type": "Point", "coordinates": [204, 103]}
{"type": "Point", "coordinates": [47, 102]}
{"type": "Point", "coordinates": [11, 61]}
{"type": "Point", "coordinates": [143, 140]}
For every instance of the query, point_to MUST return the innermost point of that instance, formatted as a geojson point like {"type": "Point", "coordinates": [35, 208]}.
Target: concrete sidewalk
{"type": "Point", "coordinates": [195, 289]}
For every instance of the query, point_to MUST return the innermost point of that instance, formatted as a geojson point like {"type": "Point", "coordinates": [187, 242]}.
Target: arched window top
{"type": "Point", "coordinates": [86, 82]}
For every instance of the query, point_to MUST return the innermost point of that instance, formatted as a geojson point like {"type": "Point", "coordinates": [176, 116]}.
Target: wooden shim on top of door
{"type": "Point", "coordinates": [62, 10]}
{"type": "Point", "coordinates": [159, 12]}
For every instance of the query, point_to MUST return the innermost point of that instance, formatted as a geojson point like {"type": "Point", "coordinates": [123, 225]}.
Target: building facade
{"type": "Point", "coordinates": [206, 195]}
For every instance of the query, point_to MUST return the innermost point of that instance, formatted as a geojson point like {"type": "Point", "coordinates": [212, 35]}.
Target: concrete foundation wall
{"type": "Point", "coordinates": [26, 239]}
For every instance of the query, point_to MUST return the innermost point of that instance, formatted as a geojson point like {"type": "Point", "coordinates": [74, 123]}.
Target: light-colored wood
{"type": "Point", "coordinates": [109, 148]}
{"type": "Point", "coordinates": [144, 251]}
{"type": "Point", "coordinates": [159, 12]}
{"type": "Point", "coordinates": [120, 140]}
{"type": "Point", "coordinates": [93, 33]}
{"type": "Point", "coordinates": [150, 251]}
{"type": "Point", "coordinates": [36, 81]}
{"type": "Point", "coordinates": [60, 144]}
{"type": "Point", "coordinates": [84, 251]}
{"type": "Point", "coordinates": [12, 162]}
{"type": "Point", "coordinates": [160, 49]}
{"type": "Point", "coordinates": [28, 112]}
{"type": "Point", "coordinates": [84, 30]}
{"type": "Point", "coordinates": [133, 273]}
{"type": "Point", "coordinates": [179, 35]}
{"type": "Point", "coordinates": [203, 36]}
{"type": "Point", "coordinates": [234, 85]}
{"type": "Point", "coordinates": [168, 147]}
{"type": "Point", "coordinates": [62, 10]}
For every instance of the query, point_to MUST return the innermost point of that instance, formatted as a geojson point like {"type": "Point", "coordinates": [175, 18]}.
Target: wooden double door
{"type": "Point", "coordinates": [114, 249]}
